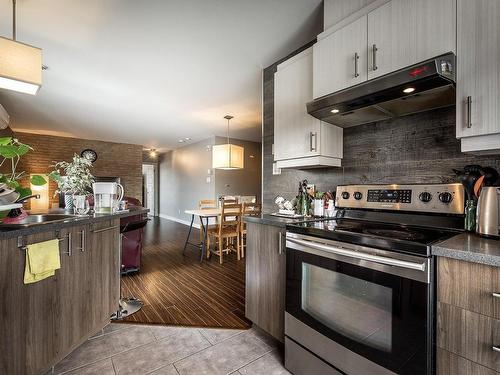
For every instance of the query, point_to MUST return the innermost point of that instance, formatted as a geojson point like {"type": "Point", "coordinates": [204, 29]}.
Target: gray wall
{"type": "Point", "coordinates": [183, 174]}
{"type": "Point", "coordinates": [247, 181]}
{"type": "Point", "coordinates": [419, 148]}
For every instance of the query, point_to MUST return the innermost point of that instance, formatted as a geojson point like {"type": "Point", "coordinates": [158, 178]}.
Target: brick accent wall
{"type": "Point", "coordinates": [113, 159]}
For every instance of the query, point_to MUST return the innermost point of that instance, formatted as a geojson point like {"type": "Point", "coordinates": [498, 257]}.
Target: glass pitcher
{"type": "Point", "coordinates": [107, 197]}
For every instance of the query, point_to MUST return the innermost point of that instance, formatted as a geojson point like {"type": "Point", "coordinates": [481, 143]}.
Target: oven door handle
{"type": "Point", "coordinates": [359, 255]}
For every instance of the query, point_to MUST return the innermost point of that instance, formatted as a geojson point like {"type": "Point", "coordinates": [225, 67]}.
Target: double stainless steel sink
{"type": "Point", "coordinates": [37, 219]}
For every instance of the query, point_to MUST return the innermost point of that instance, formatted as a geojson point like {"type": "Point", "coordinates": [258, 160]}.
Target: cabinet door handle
{"type": "Point", "coordinates": [356, 58]}
{"type": "Point", "coordinates": [82, 238]}
{"type": "Point", "coordinates": [496, 295]}
{"type": "Point", "coordinates": [374, 57]}
{"type": "Point", "coordinates": [469, 111]}
{"type": "Point", "coordinates": [496, 349]}
{"type": "Point", "coordinates": [280, 243]}
{"type": "Point", "coordinates": [313, 141]}
{"type": "Point", "coordinates": [104, 229]}
{"type": "Point", "coordinates": [70, 244]}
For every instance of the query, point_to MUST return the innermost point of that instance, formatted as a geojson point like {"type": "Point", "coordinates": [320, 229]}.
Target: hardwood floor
{"type": "Point", "coordinates": [178, 290]}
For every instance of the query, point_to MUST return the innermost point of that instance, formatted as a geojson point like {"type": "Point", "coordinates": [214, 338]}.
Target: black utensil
{"type": "Point", "coordinates": [490, 176]}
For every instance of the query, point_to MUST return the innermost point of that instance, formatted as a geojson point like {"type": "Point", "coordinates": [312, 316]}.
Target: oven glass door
{"type": "Point", "coordinates": [380, 316]}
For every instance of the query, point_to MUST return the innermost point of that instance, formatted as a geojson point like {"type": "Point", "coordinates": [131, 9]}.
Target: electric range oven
{"type": "Point", "coordinates": [360, 292]}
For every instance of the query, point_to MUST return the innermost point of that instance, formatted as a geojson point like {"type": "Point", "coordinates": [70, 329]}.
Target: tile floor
{"type": "Point", "coordinates": [162, 350]}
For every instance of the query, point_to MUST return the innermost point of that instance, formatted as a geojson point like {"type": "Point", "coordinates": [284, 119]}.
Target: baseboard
{"type": "Point", "coordinates": [177, 220]}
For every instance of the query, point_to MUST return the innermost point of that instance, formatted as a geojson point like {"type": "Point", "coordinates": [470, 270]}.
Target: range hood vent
{"type": "Point", "coordinates": [418, 88]}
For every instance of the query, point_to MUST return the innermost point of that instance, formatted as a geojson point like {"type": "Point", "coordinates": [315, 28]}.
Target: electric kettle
{"type": "Point", "coordinates": [107, 196]}
{"type": "Point", "coordinates": [488, 212]}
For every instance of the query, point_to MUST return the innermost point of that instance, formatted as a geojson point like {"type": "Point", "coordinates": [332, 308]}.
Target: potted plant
{"type": "Point", "coordinates": [11, 151]}
{"type": "Point", "coordinates": [73, 179]}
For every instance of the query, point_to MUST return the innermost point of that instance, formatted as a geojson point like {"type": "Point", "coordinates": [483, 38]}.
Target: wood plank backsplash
{"type": "Point", "coordinates": [419, 148]}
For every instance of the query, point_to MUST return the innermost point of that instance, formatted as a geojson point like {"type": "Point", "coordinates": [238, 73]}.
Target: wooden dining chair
{"type": "Point", "coordinates": [248, 209]}
{"type": "Point", "coordinates": [228, 230]}
{"type": "Point", "coordinates": [229, 200]}
{"type": "Point", "coordinates": [206, 204]}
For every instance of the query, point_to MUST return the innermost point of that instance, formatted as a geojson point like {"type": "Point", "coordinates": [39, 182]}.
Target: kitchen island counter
{"type": "Point", "coordinates": [44, 321]}
{"type": "Point", "coordinates": [470, 248]}
{"type": "Point", "coordinates": [10, 231]}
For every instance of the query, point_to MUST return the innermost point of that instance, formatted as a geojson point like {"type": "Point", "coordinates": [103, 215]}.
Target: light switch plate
{"type": "Point", "coordinates": [209, 179]}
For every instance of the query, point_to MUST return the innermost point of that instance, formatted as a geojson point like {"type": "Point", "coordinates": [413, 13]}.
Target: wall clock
{"type": "Point", "coordinates": [89, 154]}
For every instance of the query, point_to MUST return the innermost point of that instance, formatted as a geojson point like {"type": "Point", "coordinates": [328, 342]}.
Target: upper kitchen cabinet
{"type": "Point", "coordinates": [300, 140]}
{"type": "Point", "coordinates": [478, 75]}
{"type": "Point", "coordinates": [405, 32]}
{"type": "Point", "coordinates": [340, 58]}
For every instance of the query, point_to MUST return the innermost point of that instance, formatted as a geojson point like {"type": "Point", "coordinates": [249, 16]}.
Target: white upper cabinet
{"type": "Point", "coordinates": [381, 38]}
{"type": "Point", "coordinates": [301, 140]}
{"type": "Point", "coordinates": [478, 75]}
{"type": "Point", "coordinates": [340, 59]}
{"type": "Point", "coordinates": [406, 32]}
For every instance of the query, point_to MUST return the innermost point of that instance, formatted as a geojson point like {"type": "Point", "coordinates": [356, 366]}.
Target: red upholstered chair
{"type": "Point", "coordinates": [132, 228]}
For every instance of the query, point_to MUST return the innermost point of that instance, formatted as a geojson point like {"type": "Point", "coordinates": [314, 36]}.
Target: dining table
{"type": "Point", "coordinates": [204, 214]}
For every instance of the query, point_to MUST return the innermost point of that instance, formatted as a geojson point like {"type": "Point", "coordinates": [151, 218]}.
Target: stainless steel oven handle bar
{"type": "Point", "coordinates": [362, 256]}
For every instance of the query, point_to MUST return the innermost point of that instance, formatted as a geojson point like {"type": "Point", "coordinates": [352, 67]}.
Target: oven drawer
{"type": "Point", "coordinates": [471, 335]}
{"type": "Point", "coordinates": [300, 361]}
{"type": "Point", "coordinates": [471, 286]}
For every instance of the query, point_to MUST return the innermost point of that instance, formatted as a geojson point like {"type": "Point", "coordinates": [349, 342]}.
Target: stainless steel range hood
{"type": "Point", "coordinates": [418, 88]}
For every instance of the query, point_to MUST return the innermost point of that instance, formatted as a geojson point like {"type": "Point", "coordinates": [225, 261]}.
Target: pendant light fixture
{"type": "Point", "coordinates": [20, 64]}
{"type": "Point", "coordinates": [228, 156]}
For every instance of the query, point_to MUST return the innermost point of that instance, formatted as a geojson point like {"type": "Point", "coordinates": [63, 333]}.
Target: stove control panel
{"type": "Point", "coordinates": [389, 196]}
{"type": "Point", "coordinates": [433, 198]}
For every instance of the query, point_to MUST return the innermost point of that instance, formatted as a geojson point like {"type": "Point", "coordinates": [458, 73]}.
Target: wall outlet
{"type": "Point", "coordinates": [209, 180]}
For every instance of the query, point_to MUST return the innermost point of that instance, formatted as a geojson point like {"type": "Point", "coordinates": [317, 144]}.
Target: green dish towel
{"type": "Point", "coordinates": [42, 259]}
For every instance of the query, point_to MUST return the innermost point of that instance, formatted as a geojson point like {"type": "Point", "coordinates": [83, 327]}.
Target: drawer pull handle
{"type": "Point", "coordinates": [104, 229]}
{"type": "Point", "coordinates": [496, 349]}
{"type": "Point", "coordinates": [496, 295]}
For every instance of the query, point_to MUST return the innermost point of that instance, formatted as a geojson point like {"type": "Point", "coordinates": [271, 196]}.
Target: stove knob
{"type": "Point", "coordinates": [357, 195]}
{"type": "Point", "coordinates": [345, 195]}
{"type": "Point", "coordinates": [445, 197]}
{"type": "Point", "coordinates": [425, 197]}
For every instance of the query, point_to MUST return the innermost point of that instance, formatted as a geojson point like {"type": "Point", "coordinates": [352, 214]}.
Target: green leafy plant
{"type": "Point", "coordinates": [72, 177]}
{"type": "Point", "coordinates": [11, 151]}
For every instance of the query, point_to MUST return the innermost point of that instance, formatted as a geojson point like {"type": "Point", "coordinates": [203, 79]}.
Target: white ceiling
{"type": "Point", "coordinates": [152, 72]}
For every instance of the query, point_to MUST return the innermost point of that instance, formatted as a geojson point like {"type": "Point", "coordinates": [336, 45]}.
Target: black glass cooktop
{"type": "Point", "coordinates": [402, 238]}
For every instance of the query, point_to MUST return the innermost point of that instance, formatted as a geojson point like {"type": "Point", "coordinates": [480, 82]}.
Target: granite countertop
{"type": "Point", "coordinates": [278, 221]}
{"type": "Point", "coordinates": [6, 233]}
{"type": "Point", "coordinates": [470, 248]}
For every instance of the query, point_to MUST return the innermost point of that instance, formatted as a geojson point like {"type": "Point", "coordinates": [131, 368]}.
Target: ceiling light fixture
{"type": "Point", "coordinates": [21, 64]}
{"type": "Point", "coordinates": [335, 110]}
{"type": "Point", "coordinates": [152, 153]}
{"type": "Point", "coordinates": [181, 140]}
{"type": "Point", "coordinates": [409, 90]}
{"type": "Point", "coordinates": [187, 139]}
{"type": "Point", "coordinates": [228, 156]}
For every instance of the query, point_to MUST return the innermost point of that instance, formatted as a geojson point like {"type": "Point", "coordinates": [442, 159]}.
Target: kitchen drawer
{"type": "Point", "coordinates": [469, 334]}
{"type": "Point", "coordinates": [452, 364]}
{"type": "Point", "coordinates": [469, 285]}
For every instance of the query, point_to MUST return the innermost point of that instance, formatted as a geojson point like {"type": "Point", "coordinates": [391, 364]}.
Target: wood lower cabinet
{"type": "Point", "coordinates": [43, 322]}
{"type": "Point", "coordinates": [105, 286]}
{"type": "Point", "coordinates": [452, 364]}
{"type": "Point", "coordinates": [468, 328]}
{"type": "Point", "coordinates": [265, 278]}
